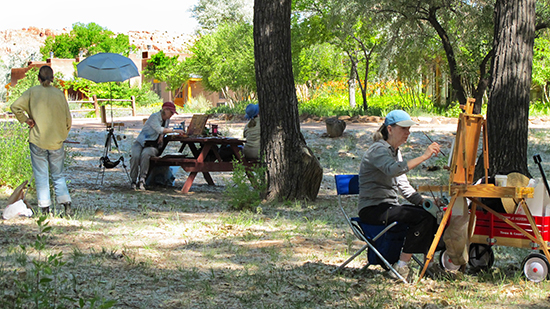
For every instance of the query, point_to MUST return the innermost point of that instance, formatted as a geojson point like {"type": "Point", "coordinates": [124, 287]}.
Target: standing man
{"type": "Point", "coordinates": [46, 111]}
{"type": "Point", "coordinates": [146, 144]}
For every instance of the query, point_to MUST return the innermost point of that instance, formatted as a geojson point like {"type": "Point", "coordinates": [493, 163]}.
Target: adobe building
{"type": "Point", "coordinates": [66, 67]}
{"type": "Point", "coordinates": [191, 89]}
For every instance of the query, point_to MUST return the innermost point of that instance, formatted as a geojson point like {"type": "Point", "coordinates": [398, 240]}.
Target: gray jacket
{"type": "Point", "coordinates": [152, 128]}
{"type": "Point", "coordinates": [382, 177]}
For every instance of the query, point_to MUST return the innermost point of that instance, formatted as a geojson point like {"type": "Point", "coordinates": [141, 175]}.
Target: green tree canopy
{"type": "Point", "coordinates": [320, 63]}
{"type": "Point", "coordinates": [212, 13]}
{"type": "Point", "coordinates": [224, 59]}
{"type": "Point", "coordinates": [167, 69]}
{"type": "Point", "coordinates": [89, 39]}
{"type": "Point", "coordinates": [541, 65]}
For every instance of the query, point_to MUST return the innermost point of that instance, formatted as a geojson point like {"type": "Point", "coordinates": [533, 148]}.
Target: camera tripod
{"type": "Point", "coordinates": [105, 162]}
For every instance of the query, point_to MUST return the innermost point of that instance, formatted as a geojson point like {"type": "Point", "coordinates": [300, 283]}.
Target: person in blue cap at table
{"type": "Point", "coordinates": [252, 132]}
{"type": "Point", "coordinates": [382, 178]}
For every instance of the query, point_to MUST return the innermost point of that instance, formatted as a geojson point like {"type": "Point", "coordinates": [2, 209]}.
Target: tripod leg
{"type": "Point", "coordinates": [123, 163]}
{"type": "Point", "coordinates": [102, 175]}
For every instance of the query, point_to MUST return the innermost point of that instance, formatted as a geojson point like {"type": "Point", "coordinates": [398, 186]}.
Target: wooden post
{"type": "Point", "coordinates": [189, 96]}
{"type": "Point", "coordinates": [96, 106]}
{"type": "Point", "coordinates": [133, 105]}
{"type": "Point", "coordinates": [103, 114]}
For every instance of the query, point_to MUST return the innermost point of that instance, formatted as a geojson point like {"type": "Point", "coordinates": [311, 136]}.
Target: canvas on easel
{"type": "Point", "coordinates": [461, 178]}
{"type": "Point", "coordinates": [464, 155]}
{"type": "Point", "coordinates": [196, 126]}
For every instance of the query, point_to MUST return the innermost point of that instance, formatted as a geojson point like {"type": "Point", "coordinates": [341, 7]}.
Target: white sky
{"type": "Point", "coordinates": [115, 15]}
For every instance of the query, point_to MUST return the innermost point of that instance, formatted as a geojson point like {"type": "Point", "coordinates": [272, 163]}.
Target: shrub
{"type": "Point", "coordinates": [15, 166]}
{"type": "Point", "coordinates": [237, 109]}
{"type": "Point", "coordinates": [240, 193]}
{"type": "Point", "coordinates": [197, 105]}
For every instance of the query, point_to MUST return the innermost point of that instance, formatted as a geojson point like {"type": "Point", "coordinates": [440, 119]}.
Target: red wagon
{"type": "Point", "coordinates": [491, 230]}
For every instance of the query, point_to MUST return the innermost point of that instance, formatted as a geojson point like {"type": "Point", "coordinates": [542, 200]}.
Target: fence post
{"type": "Point", "coordinates": [103, 114]}
{"type": "Point", "coordinates": [133, 105]}
{"type": "Point", "coordinates": [96, 106]}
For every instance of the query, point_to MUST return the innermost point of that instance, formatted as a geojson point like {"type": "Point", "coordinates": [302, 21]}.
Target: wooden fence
{"type": "Point", "coordinates": [100, 111]}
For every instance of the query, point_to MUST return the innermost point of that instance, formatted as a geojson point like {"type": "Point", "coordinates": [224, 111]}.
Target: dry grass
{"type": "Point", "coordinates": [161, 249]}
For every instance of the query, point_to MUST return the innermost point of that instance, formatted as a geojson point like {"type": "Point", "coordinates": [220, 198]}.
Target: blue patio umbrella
{"type": "Point", "coordinates": [107, 67]}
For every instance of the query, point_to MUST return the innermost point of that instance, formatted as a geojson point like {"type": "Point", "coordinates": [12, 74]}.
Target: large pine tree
{"type": "Point", "coordinates": [508, 106]}
{"type": "Point", "coordinates": [293, 171]}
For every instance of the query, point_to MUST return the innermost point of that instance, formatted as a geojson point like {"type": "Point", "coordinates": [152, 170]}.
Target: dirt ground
{"type": "Point", "coordinates": [90, 134]}
{"type": "Point", "coordinates": [163, 249]}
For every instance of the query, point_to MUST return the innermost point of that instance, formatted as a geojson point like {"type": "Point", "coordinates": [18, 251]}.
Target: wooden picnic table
{"type": "Point", "coordinates": [205, 156]}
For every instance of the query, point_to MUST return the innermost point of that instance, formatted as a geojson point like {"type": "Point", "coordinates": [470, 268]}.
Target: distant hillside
{"type": "Point", "coordinates": [17, 47]}
{"type": "Point", "coordinates": [20, 45]}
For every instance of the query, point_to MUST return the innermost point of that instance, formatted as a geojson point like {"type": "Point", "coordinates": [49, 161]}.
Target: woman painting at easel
{"type": "Point", "coordinates": [382, 177]}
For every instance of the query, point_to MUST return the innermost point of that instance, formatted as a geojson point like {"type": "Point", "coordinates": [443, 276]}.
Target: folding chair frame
{"type": "Point", "coordinates": [358, 231]}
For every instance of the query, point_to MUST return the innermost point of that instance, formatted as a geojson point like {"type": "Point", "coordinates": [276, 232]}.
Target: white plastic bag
{"type": "Point", "coordinates": [16, 205]}
{"type": "Point", "coordinates": [17, 209]}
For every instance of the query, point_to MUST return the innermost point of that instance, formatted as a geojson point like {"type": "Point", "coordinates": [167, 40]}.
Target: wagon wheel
{"type": "Point", "coordinates": [481, 257]}
{"type": "Point", "coordinates": [535, 267]}
{"type": "Point", "coordinates": [446, 263]}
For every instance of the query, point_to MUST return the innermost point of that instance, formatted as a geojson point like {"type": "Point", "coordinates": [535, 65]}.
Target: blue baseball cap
{"type": "Point", "coordinates": [252, 110]}
{"type": "Point", "coordinates": [400, 118]}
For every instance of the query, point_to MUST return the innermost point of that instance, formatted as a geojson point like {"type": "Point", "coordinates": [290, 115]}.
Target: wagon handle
{"type": "Point", "coordinates": [538, 161]}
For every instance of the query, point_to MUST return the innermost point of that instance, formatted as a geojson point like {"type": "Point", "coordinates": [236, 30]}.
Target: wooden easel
{"type": "Point", "coordinates": [461, 182]}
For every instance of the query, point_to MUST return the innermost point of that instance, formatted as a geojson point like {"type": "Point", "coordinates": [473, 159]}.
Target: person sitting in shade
{"type": "Point", "coordinates": [148, 141]}
{"type": "Point", "coordinates": [252, 132]}
{"type": "Point", "coordinates": [382, 178]}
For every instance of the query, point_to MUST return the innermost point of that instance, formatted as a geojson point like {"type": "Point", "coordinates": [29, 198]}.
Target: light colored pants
{"type": "Point", "coordinates": [46, 162]}
{"type": "Point", "coordinates": [139, 162]}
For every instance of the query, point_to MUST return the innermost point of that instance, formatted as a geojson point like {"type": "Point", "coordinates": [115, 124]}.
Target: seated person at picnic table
{"type": "Point", "coordinates": [146, 144]}
{"type": "Point", "coordinates": [252, 132]}
{"type": "Point", "coordinates": [381, 179]}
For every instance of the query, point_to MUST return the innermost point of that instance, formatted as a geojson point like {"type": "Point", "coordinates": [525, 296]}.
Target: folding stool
{"type": "Point", "coordinates": [383, 241]}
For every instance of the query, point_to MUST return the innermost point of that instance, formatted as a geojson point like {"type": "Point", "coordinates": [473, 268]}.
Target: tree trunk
{"type": "Point", "coordinates": [293, 171]}
{"type": "Point", "coordinates": [508, 106]}
{"type": "Point", "coordinates": [352, 82]}
{"type": "Point", "coordinates": [456, 77]}
{"type": "Point", "coordinates": [449, 52]}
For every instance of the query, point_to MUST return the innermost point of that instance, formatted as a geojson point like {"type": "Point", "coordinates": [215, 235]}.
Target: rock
{"type": "Point", "coordinates": [335, 127]}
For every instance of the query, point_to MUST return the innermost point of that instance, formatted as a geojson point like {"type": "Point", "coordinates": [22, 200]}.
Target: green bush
{"type": "Point", "coordinates": [539, 109]}
{"type": "Point", "coordinates": [237, 109]}
{"type": "Point", "coordinates": [147, 97]}
{"type": "Point", "coordinates": [15, 166]}
{"type": "Point", "coordinates": [240, 193]}
{"type": "Point", "coordinates": [197, 105]}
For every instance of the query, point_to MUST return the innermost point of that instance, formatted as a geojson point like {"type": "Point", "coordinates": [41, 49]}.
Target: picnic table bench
{"type": "Point", "coordinates": [205, 156]}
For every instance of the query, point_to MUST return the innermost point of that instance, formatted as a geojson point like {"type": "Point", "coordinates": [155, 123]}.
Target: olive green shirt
{"type": "Point", "coordinates": [49, 109]}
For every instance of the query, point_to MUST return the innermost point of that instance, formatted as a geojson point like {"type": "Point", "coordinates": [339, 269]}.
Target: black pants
{"type": "Point", "coordinates": [422, 225]}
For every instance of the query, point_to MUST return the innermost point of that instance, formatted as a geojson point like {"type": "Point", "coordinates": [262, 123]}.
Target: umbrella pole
{"type": "Point", "coordinates": [111, 101]}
